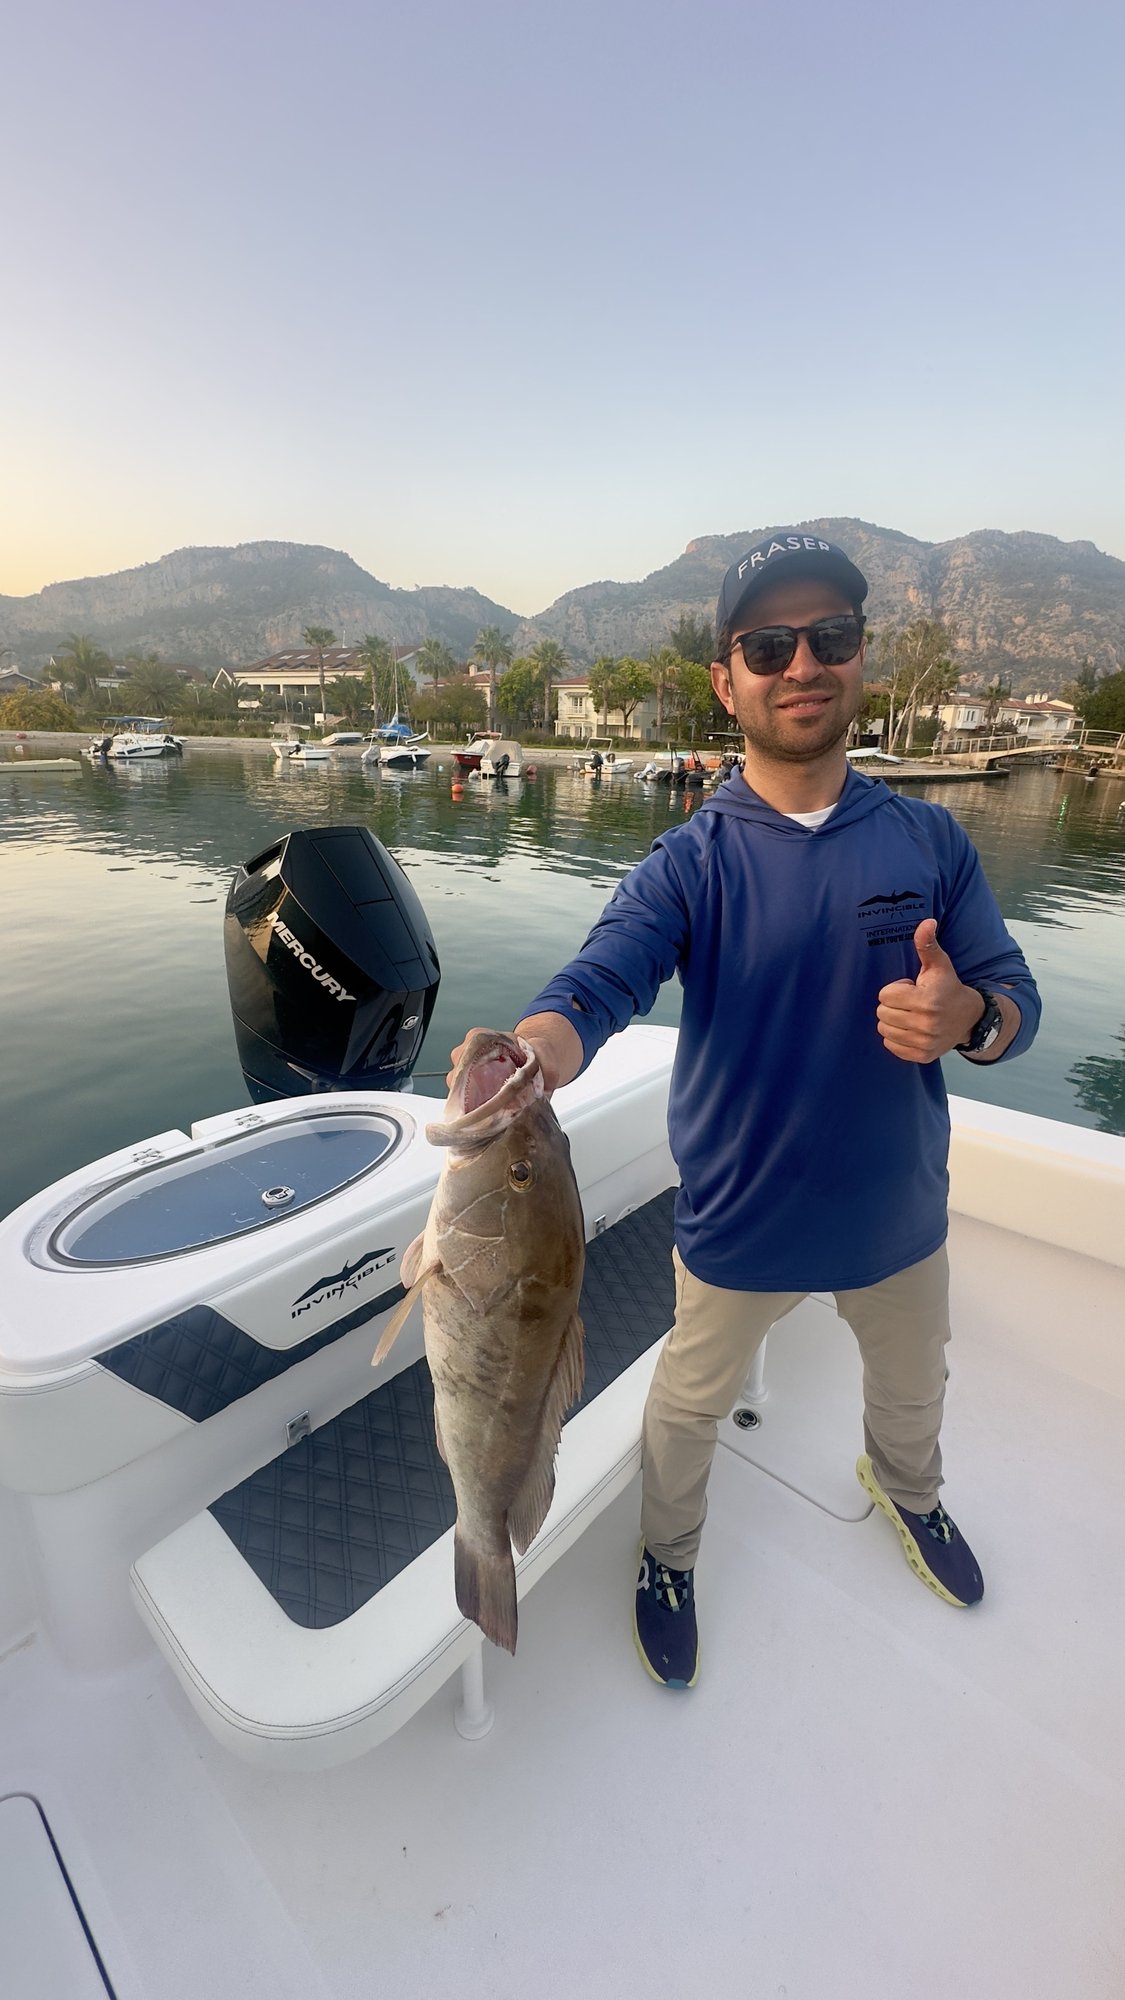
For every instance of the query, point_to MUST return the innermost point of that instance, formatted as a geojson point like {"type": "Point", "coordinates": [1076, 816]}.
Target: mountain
{"type": "Point", "coordinates": [228, 607]}
{"type": "Point", "coordinates": [1025, 606]}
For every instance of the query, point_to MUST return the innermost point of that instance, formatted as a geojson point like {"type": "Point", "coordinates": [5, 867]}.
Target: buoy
{"type": "Point", "coordinates": [457, 791]}
{"type": "Point", "coordinates": [529, 771]}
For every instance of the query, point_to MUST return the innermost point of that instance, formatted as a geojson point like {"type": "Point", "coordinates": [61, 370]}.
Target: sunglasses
{"type": "Point", "coordinates": [831, 641]}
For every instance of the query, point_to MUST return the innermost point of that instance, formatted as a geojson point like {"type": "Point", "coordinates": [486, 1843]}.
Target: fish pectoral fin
{"type": "Point", "coordinates": [411, 1264]}
{"type": "Point", "coordinates": [400, 1315]}
{"type": "Point", "coordinates": [531, 1505]}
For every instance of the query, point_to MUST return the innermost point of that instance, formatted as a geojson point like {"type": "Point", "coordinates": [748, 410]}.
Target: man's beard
{"type": "Point", "coordinates": [799, 742]}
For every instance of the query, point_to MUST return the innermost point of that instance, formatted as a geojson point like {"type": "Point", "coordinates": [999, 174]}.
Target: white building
{"type": "Point", "coordinates": [1037, 718]}
{"type": "Point", "coordinates": [579, 717]}
{"type": "Point", "coordinates": [296, 673]}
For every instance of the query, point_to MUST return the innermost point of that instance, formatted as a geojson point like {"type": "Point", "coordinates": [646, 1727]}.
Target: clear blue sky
{"type": "Point", "coordinates": [523, 296]}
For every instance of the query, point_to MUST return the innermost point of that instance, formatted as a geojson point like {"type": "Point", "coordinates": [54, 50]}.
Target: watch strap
{"type": "Point", "coordinates": [987, 1028]}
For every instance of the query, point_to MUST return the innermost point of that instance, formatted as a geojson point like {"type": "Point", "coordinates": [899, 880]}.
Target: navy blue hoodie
{"type": "Point", "coordinates": [811, 1158]}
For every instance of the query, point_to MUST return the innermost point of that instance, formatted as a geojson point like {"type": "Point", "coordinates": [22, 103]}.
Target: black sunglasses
{"type": "Point", "coordinates": [831, 642]}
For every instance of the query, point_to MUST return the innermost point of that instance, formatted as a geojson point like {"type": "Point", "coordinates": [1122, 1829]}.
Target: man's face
{"type": "Point", "coordinates": [801, 713]}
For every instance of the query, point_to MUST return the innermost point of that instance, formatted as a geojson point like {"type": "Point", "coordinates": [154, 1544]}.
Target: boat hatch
{"type": "Point", "coordinates": [231, 1189]}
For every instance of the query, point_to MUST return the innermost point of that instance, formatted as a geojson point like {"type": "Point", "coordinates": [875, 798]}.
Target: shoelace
{"type": "Point", "coordinates": [673, 1586]}
{"type": "Point", "coordinates": [938, 1524]}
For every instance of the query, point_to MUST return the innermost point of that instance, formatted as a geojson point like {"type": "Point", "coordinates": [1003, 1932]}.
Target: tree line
{"type": "Point", "coordinates": [913, 670]}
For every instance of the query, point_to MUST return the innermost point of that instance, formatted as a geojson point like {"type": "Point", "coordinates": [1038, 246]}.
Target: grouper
{"type": "Point", "coordinates": [498, 1268]}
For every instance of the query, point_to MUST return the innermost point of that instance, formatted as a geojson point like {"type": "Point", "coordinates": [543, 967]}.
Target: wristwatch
{"type": "Point", "coordinates": [987, 1028]}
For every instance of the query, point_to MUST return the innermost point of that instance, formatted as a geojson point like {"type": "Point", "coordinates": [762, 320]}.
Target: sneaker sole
{"type": "Point", "coordinates": [913, 1553]}
{"type": "Point", "coordinates": [677, 1686]}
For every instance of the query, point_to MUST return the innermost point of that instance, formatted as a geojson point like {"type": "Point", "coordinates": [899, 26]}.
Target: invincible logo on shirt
{"type": "Point", "coordinates": [890, 917]}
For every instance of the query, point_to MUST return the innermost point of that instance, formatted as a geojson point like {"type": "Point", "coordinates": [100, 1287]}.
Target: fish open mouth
{"type": "Point", "coordinates": [488, 1076]}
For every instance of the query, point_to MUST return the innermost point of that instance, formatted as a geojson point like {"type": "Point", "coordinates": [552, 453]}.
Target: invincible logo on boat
{"type": "Point", "coordinates": [312, 965]}
{"type": "Point", "coordinates": [338, 1283]}
{"type": "Point", "coordinates": [889, 918]}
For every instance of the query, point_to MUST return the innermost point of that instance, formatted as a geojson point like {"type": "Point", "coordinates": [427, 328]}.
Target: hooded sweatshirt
{"type": "Point", "coordinates": [811, 1158]}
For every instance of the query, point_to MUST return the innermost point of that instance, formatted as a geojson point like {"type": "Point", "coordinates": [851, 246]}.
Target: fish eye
{"type": "Point", "coordinates": [520, 1175]}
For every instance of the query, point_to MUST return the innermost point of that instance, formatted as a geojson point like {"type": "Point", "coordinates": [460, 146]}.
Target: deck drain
{"type": "Point", "coordinates": [277, 1197]}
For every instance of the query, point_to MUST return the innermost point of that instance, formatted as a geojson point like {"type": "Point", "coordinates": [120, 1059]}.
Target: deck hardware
{"type": "Point", "coordinates": [297, 1428]}
{"type": "Point", "coordinates": [599, 1225]}
{"type": "Point", "coordinates": [277, 1197]}
{"type": "Point", "coordinates": [747, 1420]}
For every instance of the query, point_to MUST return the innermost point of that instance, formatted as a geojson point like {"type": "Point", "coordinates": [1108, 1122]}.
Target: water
{"type": "Point", "coordinates": [114, 1019]}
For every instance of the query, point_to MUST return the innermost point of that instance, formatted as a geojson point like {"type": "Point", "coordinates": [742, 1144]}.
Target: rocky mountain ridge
{"type": "Point", "coordinates": [214, 607]}
{"type": "Point", "coordinates": [1025, 606]}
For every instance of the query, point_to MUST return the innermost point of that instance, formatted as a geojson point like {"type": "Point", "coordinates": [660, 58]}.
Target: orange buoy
{"type": "Point", "coordinates": [457, 791]}
{"type": "Point", "coordinates": [529, 771]}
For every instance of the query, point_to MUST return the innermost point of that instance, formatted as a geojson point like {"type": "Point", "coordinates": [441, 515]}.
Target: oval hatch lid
{"type": "Point", "coordinates": [226, 1190]}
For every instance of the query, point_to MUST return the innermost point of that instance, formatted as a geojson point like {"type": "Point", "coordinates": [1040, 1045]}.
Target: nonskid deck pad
{"type": "Point", "coordinates": [329, 1522]}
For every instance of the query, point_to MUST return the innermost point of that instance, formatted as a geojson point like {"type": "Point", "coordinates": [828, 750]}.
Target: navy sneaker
{"type": "Point", "coordinates": [935, 1547]}
{"type": "Point", "coordinates": [664, 1623]}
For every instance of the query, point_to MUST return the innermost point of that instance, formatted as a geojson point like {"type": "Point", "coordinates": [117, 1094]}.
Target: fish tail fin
{"type": "Point", "coordinates": [485, 1583]}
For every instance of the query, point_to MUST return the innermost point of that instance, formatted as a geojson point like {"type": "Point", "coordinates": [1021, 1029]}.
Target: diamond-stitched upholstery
{"type": "Point", "coordinates": [328, 1523]}
{"type": "Point", "coordinates": [199, 1362]}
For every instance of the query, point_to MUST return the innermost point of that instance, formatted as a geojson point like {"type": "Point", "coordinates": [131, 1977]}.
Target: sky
{"type": "Point", "coordinates": [527, 296]}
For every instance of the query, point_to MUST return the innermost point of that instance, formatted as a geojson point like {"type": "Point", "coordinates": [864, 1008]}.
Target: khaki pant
{"type": "Point", "coordinates": [902, 1326]}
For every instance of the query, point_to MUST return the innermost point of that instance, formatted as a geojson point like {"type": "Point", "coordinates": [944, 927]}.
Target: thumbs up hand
{"type": "Point", "coordinates": [922, 1019]}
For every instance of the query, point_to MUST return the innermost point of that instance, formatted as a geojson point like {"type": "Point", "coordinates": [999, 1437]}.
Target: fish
{"type": "Point", "coordinates": [498, 1269]}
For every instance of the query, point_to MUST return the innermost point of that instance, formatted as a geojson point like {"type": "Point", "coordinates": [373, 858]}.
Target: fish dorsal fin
{"type": "Point", "coordinates": [529, 1509]}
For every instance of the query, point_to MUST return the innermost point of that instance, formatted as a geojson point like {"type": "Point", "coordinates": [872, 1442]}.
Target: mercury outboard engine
{"type": "Point", "coordinates": [331, 966]}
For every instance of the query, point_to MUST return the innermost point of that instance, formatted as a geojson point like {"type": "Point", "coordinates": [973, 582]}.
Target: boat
{"type": "Point", "coordinates": [468, 758]}
{"type": "Point", "coordinates": [310, 753]}
{"type": "Point", "coordinates": [502, 759]}
{"type": "Point", "coordinates": [134, 738]}
{"type": "Point", "coordinates": [397, 745]}
{"type": "Point", "coordinates": [409, 753]}
{"type": "Point", "coordinates": [207, 1788]}
{"type": "Point", "coordinates": [344, 739]}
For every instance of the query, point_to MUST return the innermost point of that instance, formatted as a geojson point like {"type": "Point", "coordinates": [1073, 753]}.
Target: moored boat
{"type": "Point", "coordinates": [468, 758]}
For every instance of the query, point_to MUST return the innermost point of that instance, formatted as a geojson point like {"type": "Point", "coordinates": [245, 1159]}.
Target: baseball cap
{"type": "Point", "coordinates": [788, 553]}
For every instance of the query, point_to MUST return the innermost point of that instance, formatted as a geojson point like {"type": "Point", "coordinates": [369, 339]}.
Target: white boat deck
{"type": "Point", "coordinates": [868, 1793]}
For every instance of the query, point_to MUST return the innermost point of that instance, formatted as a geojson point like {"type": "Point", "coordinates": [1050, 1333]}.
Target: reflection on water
{"type": "Point", "coordinates": [115, 1017]}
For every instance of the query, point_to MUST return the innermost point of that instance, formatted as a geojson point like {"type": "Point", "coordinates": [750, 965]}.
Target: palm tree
{"type": "Point", "coordinates": [552, 664]}
{"type": "Point", "coordinates": [378, 656]}
{"type": "Point", "coordinates": [492, 650]}
{"type": "Point", "coordinates": [436, 659]}
{"type": "Point", "coordinates": [81, 663]}
{"type": "Point", "coordinates": [153, 687]}
{"type": "Point", "coordinates": [318, 637]}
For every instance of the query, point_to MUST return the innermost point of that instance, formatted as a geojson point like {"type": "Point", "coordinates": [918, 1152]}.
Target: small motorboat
{"type": "Point", "coordinates": [129, 739]}
{"type": "Point", "coordinates": [502, 759]}
{"type": "Point", "coordinates": [409, 753]}
{"type": "Point", "coordinates": [481, 745]}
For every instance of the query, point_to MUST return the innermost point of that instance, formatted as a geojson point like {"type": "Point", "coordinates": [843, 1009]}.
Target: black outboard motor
{"type": "Point", "coordinates": [331, 966]}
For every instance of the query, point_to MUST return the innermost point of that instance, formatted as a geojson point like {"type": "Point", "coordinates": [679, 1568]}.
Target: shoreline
{"type": "Point", "coordinates": [51, 743]}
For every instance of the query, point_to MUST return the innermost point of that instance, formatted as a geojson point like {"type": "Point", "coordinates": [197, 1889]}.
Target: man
{"type": "Point", "coordinates": [834, 940]}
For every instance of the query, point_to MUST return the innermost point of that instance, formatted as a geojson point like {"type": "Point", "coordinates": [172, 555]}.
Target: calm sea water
{"type": "Point", "coordinates": [114, 1020]}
